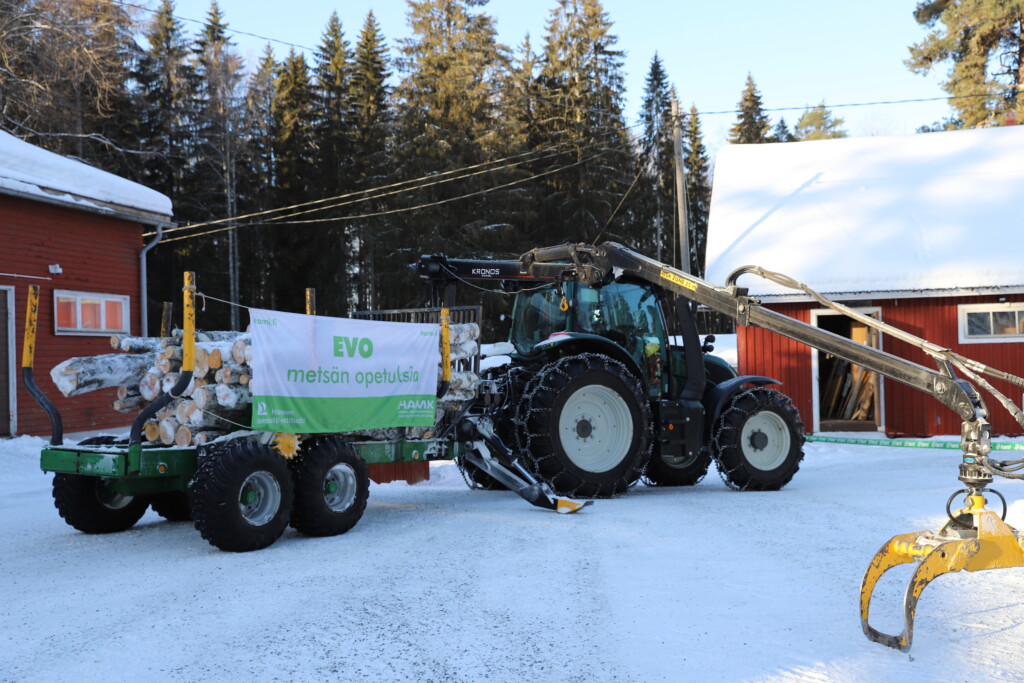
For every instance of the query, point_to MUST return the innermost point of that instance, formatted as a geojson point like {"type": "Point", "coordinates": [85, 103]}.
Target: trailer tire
{"type": "Point", "coordinates": [677, 471]}
{"type": "Point", "coordinates": [587, 425]}
{"type": "Point", "coordinates": [173, 506]}
{"type": "Point", "coordinates": [758, 442]}
{"type": "Point", "coordinates": [90, 505]}
{"type": "Point", "coordinates": [241, 497]}
{"type": "Point", "coordinates": [331, 487]}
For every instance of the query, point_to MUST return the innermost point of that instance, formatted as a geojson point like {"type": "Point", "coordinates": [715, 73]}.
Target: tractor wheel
{"type": "Point", "coordinates": [242, 497]}
{"type": "Point", "coordinates": [759, 441]}
{"type": "Point", "coordinates": [587, 424]}
{"type": "Point", "coordinates": [90, 505]}
{"type": "Point", "coordinates": [331, 488]}
{"type": "Point", "coordinates": [677, 471]}
{"type": "Point", "coordinates": [476, 478]}
{"type": "Point", "coordinates": [173, 506]}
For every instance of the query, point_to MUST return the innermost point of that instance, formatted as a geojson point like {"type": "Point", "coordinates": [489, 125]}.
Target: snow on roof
{"type": "Point", "coordinates": [909, 215]}
{"type": "Point", "coordinates": [30, 171]}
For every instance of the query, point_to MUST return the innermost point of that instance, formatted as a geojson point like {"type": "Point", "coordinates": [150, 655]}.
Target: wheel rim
{"type": "Point", "coordinates": [765, 440]}
{"type": "Point", "coordinates": [679, 462]}
{"type": "Point", "coordinates": [595, 428]}
{"type": "Point", "coordinates": [111, 499]}
{"type": "Point", "coordinates": [259, 498]}
{"type": "Point", "coordinates": [340, 487]}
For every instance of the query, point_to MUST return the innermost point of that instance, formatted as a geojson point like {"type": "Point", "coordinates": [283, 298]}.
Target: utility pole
{"type": "Point", "coordinates": [684, 228]}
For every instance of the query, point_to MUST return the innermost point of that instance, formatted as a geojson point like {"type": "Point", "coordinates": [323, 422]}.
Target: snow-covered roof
{"type": "Point", "coordinates": [33, 172]}
{"type": "Point", "coordinates": [912, 215]}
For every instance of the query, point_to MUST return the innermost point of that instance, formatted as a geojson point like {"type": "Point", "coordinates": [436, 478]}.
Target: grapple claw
{"type": "Point", "coordinates": [987, 544]}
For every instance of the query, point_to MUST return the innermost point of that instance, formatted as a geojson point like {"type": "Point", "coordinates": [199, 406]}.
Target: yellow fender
{"type": "Point", "coordinates": [990, 544]}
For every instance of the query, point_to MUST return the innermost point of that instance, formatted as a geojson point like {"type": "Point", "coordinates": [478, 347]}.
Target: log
{"type": "Point", "coordinates": [232, 373]}
{"type": "Point", "coordinates": [87, 373]}
{"type": "Point", "coordinates": [149, 385]}
{"type": "Point", "coordinates": [170, 352]}
{"type": "Point", "coordinates": [222, 418]}
{"type": "Point", "coordinates": [166, 366]}
{"type": "Point", "coordinates": [204, 396]}
{"type": "Point", "coordinates": [201, 366]}
{"type": "Point", "coordinates": [232, 396]}
{"type": "Point", "coordinates": [128, 404]}
{"type": "Point", "coordinates": [168, 381]}
{"type": "Point", "coordinates": [168, 427]}
{"type": "Point", "coordinates": [152, 430]}
{"type": "Point", "coordinates": [124, 342]}
{"type": "Point", "coordinates": [182, 409]}
{"type": "Point", "coordinates": [238, 348]}
{"type": "Point", "coordinates": [196, 436]}
{"type": "Point", "coordinates": [127, 391]}
{"type": "Point", "coordinates": [216, 352]}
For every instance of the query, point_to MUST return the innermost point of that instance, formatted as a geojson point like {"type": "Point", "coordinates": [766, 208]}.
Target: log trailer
{"type": "Point", "coordinates": [607, 382]}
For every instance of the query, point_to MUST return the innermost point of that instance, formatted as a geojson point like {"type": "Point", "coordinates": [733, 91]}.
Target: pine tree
{"type": "Point", "coordinates": [698, 190]}
{"type": "Point", "coordinates": [371, 166]}
{"type": "Point", "coordinates": [984, 42]}
{"type": "Point", "coordinates": [752, 125]}
{"type": "Point", "coordinates": [580, 110]}
{"type": "Point", "coordinates": [654, 201]}
{"type": "Point", "coordinates": [818, 123]}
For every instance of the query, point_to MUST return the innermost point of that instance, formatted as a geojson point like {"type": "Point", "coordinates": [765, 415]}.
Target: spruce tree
{"type": "Point", "coordinates": [698, 190]}
{"type": "Point", "coordinates": [781, 132]}
{"type": "Point", "coordinates": [371, 163]}
{"type": "Point", "coordinates": [580, 111]}
{"type": "Point", "coordinates": [818, 123]}
{"type": "Point", "coordinates": [983, 40]}
{"type": "Point", "coordinates": [752, 125]}
{"type": "Point", "coordinates": [654, 198]}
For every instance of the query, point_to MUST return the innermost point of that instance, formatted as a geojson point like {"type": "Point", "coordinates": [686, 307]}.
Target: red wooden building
{"type": "Point", "coordinates": [76, 232]}
{"type": "Point", "coordinates": [923, 232]}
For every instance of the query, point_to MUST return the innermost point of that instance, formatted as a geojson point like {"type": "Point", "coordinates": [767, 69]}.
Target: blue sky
{"type": "Point", "coordinates": [800, 52]}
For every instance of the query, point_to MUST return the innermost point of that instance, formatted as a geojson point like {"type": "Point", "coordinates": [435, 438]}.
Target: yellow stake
{"type": "Point", "coordinates": [446, 347]}
{"type": "Point", "coordinates": [188, 346]}
{"type": "Point", "coordinates": [28, 351]}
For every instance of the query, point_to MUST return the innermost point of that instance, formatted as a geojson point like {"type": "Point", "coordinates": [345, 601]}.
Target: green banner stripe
{"type": "Point", "coordinates": [341, 414]}
{"type": "Point", "coordinates": [909, 443]}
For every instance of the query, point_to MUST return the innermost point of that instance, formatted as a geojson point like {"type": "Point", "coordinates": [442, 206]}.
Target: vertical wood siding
{"type": "Point", "coordinates": [97, 254]}
{"type": "Point", "coordinates": [908, 412]}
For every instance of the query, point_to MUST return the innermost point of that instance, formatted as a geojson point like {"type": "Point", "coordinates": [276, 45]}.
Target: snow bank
{"type": "Point", "coordinates": [27, 170]}
{"type": "Point", "coordinates": [938, 211]}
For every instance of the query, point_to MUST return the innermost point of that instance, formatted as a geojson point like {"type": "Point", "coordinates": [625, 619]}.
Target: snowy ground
{"type": "Point", "coordinates": [440, 583]}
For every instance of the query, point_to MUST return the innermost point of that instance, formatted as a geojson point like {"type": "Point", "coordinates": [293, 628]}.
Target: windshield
{"type": "Point", "coordinates": [537, 315]}
{"type": "Point", "coordinates": [626, 313]}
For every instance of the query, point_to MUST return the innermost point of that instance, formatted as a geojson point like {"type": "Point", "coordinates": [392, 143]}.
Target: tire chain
{"type": "Point", "coordinates": [724, 427]}
{"type": "Point", "coordinates": [539, 383]}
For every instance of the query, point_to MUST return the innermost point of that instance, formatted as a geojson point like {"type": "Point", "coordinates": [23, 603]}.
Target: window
{"type": "Point", "coordinates": [91, 313]}
{"type": "Point", "coordinates": [991, 323]}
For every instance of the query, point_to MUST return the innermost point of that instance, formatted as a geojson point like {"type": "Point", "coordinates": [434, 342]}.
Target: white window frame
{"type": "Point", "coordinates": [126, 313]}
{"type": "Point", "coordinates": [994, 307]}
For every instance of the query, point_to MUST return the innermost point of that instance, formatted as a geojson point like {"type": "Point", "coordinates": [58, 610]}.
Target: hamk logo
{"type": "Point", "coordinates": [261, 408]}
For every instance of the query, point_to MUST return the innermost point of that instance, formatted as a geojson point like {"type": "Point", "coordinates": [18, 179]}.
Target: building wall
{"type": "Point", "coordinates": [97, 254]}
{"type": "Point", "coordinates": [908, 412]}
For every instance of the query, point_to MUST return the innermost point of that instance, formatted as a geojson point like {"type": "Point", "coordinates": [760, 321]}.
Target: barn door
{"type": "Point", "coordinates": [846, 397]}
{"type": "Point", "coordinates": [7, 375]}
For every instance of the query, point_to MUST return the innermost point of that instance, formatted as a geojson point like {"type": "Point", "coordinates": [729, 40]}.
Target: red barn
{"type": "Point", "coordinates": [76, 232]}
{"type": "Point", "coordinates": [924, 232]}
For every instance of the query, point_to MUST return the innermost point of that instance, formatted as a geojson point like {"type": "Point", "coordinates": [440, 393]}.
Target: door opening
{"type": "Point", "coordinates": [847, 397]}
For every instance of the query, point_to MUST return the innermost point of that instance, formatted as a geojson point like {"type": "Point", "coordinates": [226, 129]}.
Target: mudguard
{"type": "Point", "coordinates": [716, 398]}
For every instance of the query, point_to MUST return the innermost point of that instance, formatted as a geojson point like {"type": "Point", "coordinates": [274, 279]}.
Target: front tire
{"type": "Point", "coordinates": [331, 488]}
{"type": "Point", "coordinates": [90, 505]}
{"type": "Point", "coordinates": [759, 441]}
{"type": "Point", "coordinates": [242, 497]}
{"type": "Point", "coordinates": [587, 422]}
{"type": "Point", "coordinates": [681, 471]}
{"type": "Point", "coordinates": [174, 506]}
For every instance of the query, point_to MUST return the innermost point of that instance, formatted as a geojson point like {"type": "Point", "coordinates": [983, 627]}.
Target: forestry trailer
{"type": "Point", "coordinates": [607, 381]}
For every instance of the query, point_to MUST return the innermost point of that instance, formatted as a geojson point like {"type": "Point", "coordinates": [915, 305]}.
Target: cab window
{"type": "Point", "coordinates": [538, 315]}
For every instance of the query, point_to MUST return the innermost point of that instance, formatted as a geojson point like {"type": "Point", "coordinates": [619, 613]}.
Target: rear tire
{"type": "Point", "coordinates": [173, 506]}
{"type": "Point", "coordinates": [587, 424]}
{"type": "Point", "coordinates": [682, 471]}
{"type": "Point", "coordinates": [242, 497]}
{"type": "Point", "coordinates": [331, 488]}
{"type": "Point", "coordinates": [90, 505]}
{"type": "Point", "coordinates": [759, 441]}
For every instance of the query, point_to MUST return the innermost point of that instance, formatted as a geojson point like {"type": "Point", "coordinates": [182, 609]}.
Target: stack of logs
{"type": "Point", "coordinates": [218, 400]}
